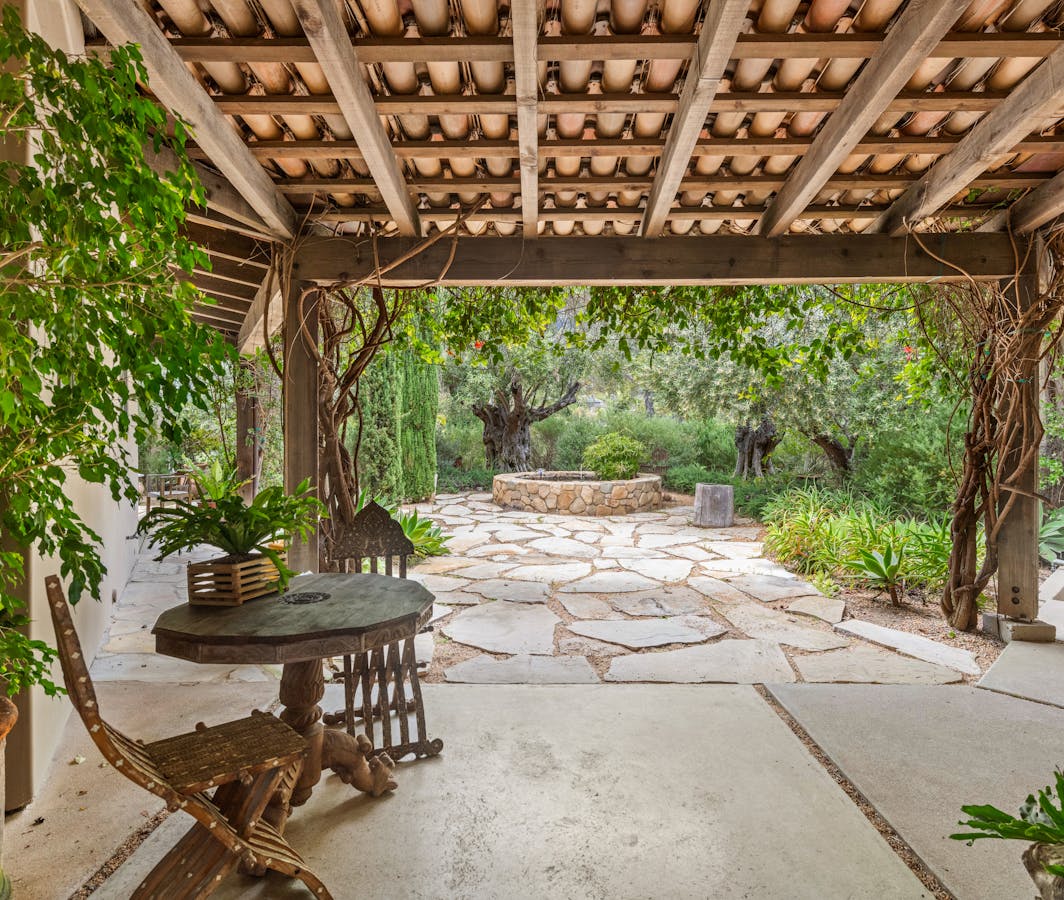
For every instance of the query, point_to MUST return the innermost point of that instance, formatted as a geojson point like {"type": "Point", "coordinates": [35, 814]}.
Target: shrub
{"type": "Point", "coordinates": [753, 495]}
{"type": "Point", "coordinates": [459, 436]}
{"type": "Point", "coordinates": [578, 435]}
{"type": "Point", "coordinates": [545, 436]}
{"type": "Point", "coordinates": [668, 441]}
{"type": "Point", "coordinates": [451, 480]}
{"type": "Point", "coordinates": [684, 478]}
{"type": "Point", "coordinates": [614, 457]}
{"type": "Point", "coordinates": [715, 445]}
{"type": "Point", "coordinates": [1051, 536]}
{"type": "Point", "coordinates": [907, 465]}
{"type": "Point", "coordinates": [832, 533]}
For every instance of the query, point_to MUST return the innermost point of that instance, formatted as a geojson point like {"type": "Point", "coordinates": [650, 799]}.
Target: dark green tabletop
{"type": "Point", "coordinates": [360, 612]}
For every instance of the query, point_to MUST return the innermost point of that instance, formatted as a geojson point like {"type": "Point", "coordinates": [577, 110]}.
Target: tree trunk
{"type": "Point", "coordinates": [839, 455]}
{"type": "Point", "coordinates": [508, 425]}
{"type": "Point", "coordinates": [754, 447]}
{"type": "Point", "coordinates": [648, 403]}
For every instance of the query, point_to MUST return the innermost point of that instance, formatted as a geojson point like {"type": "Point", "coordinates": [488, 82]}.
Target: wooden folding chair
{"type": "Point", "coordinates": [248, 764]}
{"type": "Point", "coordinates": [383, 679]}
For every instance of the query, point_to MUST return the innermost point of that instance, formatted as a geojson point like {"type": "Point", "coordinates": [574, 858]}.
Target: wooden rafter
{"type": "Point", "coordinates": [332, 46]}
{"type": "Point", "coordinates": [720, 259]}
{"type": "Point", "coordinates": [126, 22]}
{"type": "Point", "coordinates": [559, 147]}
{"type": "Point", "coordinates": [634, 215]}
{"type": "Point", "coordinates": [1035, 99]}
{"type": "Point", "coordinates": [1004, 180]}
{"type": "Point", "coordinates": [912, 37]}
{"type": "Point", "coordinates": [229, 246]}
{"type": "Point", "coordinates": [720, 28]}
{"type": "Point", "coordinates": [221, 196]}
{"type": "Point", "coordinates": [796, 45]}
{"type": "Point", "coordinates": [554, 104]}
{"type": "Point", "coordinates": [524, 18]}
{"type": "Point", "coordinates": [1042, 205]}
{"type": "Point", "coordinates": [269, 305]}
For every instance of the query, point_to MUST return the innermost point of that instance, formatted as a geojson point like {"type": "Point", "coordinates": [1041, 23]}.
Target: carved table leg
{"type": "Point", "coordinates": [302, 686]}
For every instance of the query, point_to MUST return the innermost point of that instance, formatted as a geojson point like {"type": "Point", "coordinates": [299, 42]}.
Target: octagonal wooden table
{"type": "Point", "coordinates": [357, 613]}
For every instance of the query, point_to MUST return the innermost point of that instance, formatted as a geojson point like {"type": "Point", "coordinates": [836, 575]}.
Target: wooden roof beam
{"type": "Point", "coordinates": [220, 195]}
{"type": "Point", "coordinates": [339, 61]}
{"type": "Point", "coordinates": [1041, 206]}
{"type": "Point", "coordinates": [264, 318]}
{"type": "Point", "coordinates": [709, 146]}
{"type": "Point", "coordinates": [122, 22]}
{"type": "Point", "coordinates": [720, 29]}
{"type": "Point", "coordinates": [794, 45]}
{"type": "Point", "coordinates": [524, 19]}
{"type": "Point", "coordinates": [612, 260]}
{"type": "Point", "coordinates": [907, 45]}
{"type": "Point", "coordinates": [554, 104]}
{"type": "Point", "coordinates": [1032, 101]}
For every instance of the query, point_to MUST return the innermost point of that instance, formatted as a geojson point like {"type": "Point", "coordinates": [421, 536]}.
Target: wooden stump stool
{"type": "Point", "coordinates": [714, 505]}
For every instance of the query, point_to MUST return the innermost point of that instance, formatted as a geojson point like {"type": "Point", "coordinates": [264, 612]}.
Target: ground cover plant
{"type": "Point", "coordinates": [840, 535]}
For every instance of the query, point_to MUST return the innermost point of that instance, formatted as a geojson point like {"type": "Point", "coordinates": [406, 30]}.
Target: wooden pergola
{"type": "Point", "coordinates": [607, 142]}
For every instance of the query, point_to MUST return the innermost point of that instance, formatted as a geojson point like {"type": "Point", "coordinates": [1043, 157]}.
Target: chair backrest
{"type": "Point", "coordinates": [374, 535]}
{"type": "Point", "coordinates": [122, 752]}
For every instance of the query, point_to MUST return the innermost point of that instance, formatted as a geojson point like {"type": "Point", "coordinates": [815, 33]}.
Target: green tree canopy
{"type": "Point", "coordinates": [96, 335]}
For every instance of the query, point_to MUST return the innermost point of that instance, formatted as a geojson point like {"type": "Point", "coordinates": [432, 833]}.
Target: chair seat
{"type": "Point", "coordinates": [203, 759]}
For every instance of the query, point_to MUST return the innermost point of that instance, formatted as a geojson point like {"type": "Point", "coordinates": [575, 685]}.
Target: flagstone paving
{"type": "Point", "coordinates": [644, 597]}
{"type": "Point", "coordinates": [632, 594]}
{"type": "Point", "coordinates": [732, 661]}
{"type": "Point", "coordinates": [504, 627]}
{"type": "Point", "coordinates": [638, 633]}
{"type": "Point", "coordinates": [524, 669]}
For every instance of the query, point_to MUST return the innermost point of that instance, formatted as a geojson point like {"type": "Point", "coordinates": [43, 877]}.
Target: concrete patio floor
{"type": "Point", "coordinates": [592, 789]}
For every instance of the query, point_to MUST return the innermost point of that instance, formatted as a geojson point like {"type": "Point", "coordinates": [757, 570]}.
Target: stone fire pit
{"type": "Point", "coordinates": [576, 493]}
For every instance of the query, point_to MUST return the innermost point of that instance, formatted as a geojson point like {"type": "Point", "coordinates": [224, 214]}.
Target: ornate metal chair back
{"type": "Point", "coordinates": [376, 537]}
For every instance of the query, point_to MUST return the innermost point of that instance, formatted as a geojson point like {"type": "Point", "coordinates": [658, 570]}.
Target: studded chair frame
{"type": "Point", "coordinates": [250, 764]}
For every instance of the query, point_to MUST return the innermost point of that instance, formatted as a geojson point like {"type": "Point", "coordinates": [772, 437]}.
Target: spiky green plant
{"type": "Point", "coordinates": [1040, 821]}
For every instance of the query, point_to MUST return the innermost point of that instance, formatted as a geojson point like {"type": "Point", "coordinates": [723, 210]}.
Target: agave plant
{"type": "Point", "coordinates": [426, 536]}
{"type": "Point", "coordinates": [1051, 536]}
{"type": "Point", "coordinates": [240, 530]}
{"type": "Point", "coordinates": [882, 569]}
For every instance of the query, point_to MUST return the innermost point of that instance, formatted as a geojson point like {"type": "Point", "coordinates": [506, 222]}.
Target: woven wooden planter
{"type": "Point", "coordinates": [219, 583]}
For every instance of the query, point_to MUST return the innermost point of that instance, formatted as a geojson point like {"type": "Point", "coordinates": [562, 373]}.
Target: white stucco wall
{"type": "Point", "coordinates": [41, 719]}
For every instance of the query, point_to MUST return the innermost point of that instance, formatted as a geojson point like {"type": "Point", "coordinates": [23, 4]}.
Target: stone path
{"type": "Point", "coordinates": [643, 597]}
{"type": "Point", "coordinates": [627, 598]}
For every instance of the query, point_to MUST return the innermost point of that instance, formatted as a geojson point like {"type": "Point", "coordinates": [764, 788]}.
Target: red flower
{"type": "Point", "coordinates": [478, 344]}
{"type": "Point", "coordinates": [909, 351]}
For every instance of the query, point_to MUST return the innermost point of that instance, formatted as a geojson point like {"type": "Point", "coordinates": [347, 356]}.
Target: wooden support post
{"type": "Point", "coordinates": [248, 431]}
{"type": "Point", "coordinates": [1017, 595]}
{"type": "Point", "coordinates": [300, 389]}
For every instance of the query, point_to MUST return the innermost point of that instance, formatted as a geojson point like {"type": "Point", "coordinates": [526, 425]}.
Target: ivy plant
{"type": "Point", "coordinates": [96, 334]}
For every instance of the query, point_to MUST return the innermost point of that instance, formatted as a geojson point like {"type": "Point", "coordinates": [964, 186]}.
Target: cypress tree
{"type": "Point", "coordinates": [380, 458]}
{"type": "Point", "coordinates": [421, 397]}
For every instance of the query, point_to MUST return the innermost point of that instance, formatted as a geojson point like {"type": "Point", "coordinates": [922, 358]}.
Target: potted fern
{"type": "Point", "coordinates": [252, 536]}
{"type": "Point", "coordinates": [1041, 820]}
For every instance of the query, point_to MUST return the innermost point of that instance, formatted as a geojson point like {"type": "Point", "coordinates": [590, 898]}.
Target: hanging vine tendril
{"type": "Point", "coordinates": [1006, 333]}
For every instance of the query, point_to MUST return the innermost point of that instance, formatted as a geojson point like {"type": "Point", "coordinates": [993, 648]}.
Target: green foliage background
{"type": "Point", "coordinates": [96, 333]}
